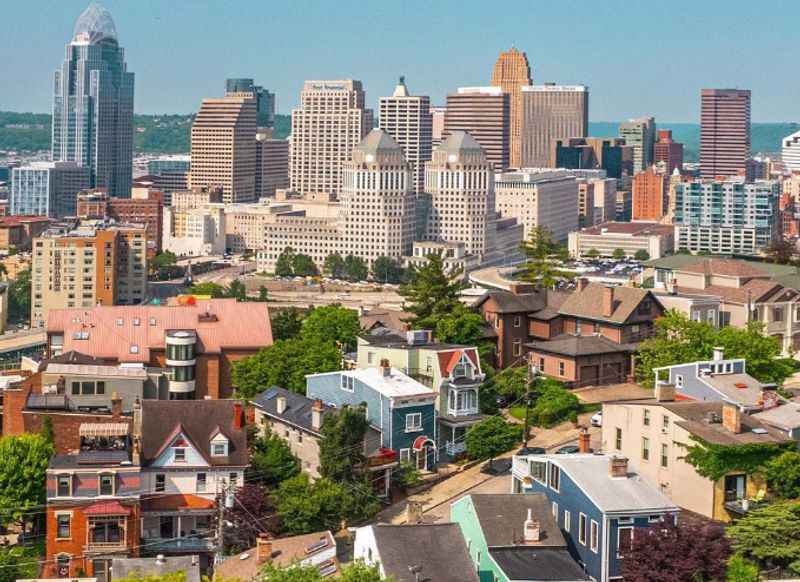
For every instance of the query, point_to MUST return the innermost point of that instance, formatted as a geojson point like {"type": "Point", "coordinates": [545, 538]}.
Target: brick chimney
{"type": "Point", "coordinates": [116, 405]}
{"type": "Point", "coordinates": [664, 392]}
{"type": "Point", "coordinates": [584, 441]}
{"type": "Point", "coordinates": [618, 466]}
{"type": "Point", "coordinates": [731, 418]}
{"type": "Point", "coordinates": [386, 368]}
{"type": "Point", "coordinates": [237, 415]}
{"type": "Point", "coordinates": [263, 548]}
{"type": "Point", "coordinates": [583, 283]}
{"type": "Point", "coordinates": [413, 512]}
{"type": "Point", "coordinates": [280, 404]}
{"type": "Point", "coordinates": [531, 529]}
{"type": "Point", "coordinates": [316, 414]}
{"type": "Point", "coordinates": [608, 301]}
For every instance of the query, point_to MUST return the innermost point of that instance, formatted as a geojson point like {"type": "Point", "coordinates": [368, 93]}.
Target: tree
{"type": "Point", "coordinates": [543, 254]}
{"type": "Point", "coordinates": [512, 382]}
{"type": "Point", "coordinates": [431, 291]}
{"type": "Point", "coordinates": [491, 437]}
{"type": "Point", "coordinates": [741, 570]}
{"type": "Point", "coordinates": [303, 266]}
{"type": "Point", "coordinates": [353, 572]}
{"type": "Point", "coordinates": [355, 268]}
{"type": "Point", "coordinates": [285, 262]}
{"type": "Point", "coordinates": [714, 461]}
{"type": "Point", "coordinates": [286, 322]}
{"type": "Point", "coordinates": [770, 535]}
{"type": "Point", "coordinates": [17, 562]}
{"type": "Point", "coordinates": [783, 475]}
{"type": "Point", "coordinates": [334, 266]}
{"type": "Point", "coordinates": [236, 290]}
{"type": "Point", "coordinates": [592, 253]}
{"type": "Point", "coordinates": [332, 323]}
{"type": "Point", "coordinates": [19, 297]}
{"type": "Point", "coordinates": [213, 290]}
{"type": "Point", "coordinates": [641, 255]}
{"type": "Point", "coordinates": [263, 294]}
{"type": "Point", "coordinates": [554, 403]}
{"type": "Point", "coordinates": [341, 446]}
{"type": "Point", "coordinates": [386, 270]}
{"type": "Point", "coordinates": [138, 576]}
{"type": "Point", "coordinates": [272, 461]}
{"type": "Point", "coordinates": [618, 254]}
{"type": "Point", "coordinates": [251, 514]}
{"type": "Point", "coordinates": [163, 260]}
{"type": "Point", "coordinates": [782, 251]}
{"type": "Point", "coordinates": [460, 326]}
{"type": "Point", "coordinates": [668, 553]}
{"type": "Point", "coordinates": [23, 468]}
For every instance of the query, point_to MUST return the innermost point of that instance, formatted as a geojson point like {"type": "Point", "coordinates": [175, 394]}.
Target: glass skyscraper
{"type": "Point", "coordinates": [265, 100]}
{"type": "Point", "coordinates": [93, 104]}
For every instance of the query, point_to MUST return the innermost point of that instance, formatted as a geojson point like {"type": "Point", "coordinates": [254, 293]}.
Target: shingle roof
{"type": "Point", "coordinates": [376, 141]}
{"type": "Point", "coordinates": [786, 416]}
{"type": "Point", "coordinates": [438, 548]}
{"type": "Point", "coordinates": [579, 345]}
{"type": "Point", "coordinates": [122, 568]}
{"type": "Point", "coordinates": [298, 407]}
{"type": "Point", "coordinates": [589, 302]}
{"type": "Point", "coordinates": [741, 389]}
{"type": "Point", "coordinates": [508, 302]}
{"type": "Point", "coordinates": [199, 420]}
{"type": "Point", "coordinates": [537, 564]}
{"type": "Point", "coordinates": [501, 518]}
{"type": "Point", "coordinates": [725, 267]}
{"type": "Point", "coordinates": [753, 290]}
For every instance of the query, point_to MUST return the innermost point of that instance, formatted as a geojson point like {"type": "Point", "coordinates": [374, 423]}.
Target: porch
{"type": "Point", "coordinates": [178, 524]}
{"type": "Point", "coordinates": [453, 432]}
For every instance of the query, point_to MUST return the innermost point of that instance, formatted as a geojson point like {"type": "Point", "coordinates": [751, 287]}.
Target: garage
{"type": "Point", "coordinates": [588, 375]}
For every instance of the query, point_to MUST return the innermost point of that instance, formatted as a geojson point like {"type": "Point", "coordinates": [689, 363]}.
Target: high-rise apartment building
{"type": "Point", "coordinates": [437, 125]}
{"type": "Point", "coordinates": [265, 100]}
{"type": "Point", "coordinates": [550, 113]}
{"type": "Point", "coordinates": [484, 113]}
{"type": "Point", "coordinates": [640, 134]}
{"type": "Point", "coordinates": [511, 72]}
{"type": "Point", "coordinates": [46, 188]}
{"type": "Point", "coordinates": [791, 152]}
{"type": "Point", "coordinates": [650, 195]}
{"type": "Point", "coordinates": [272, 165]}
{"type": "Point", "coordinates": [144, 208]}
{"type": "Point", "coordinates": [668, 152]}
{"type": "Point", "coordinates": [724, 131]}
{"type": "Point", "coordinates": [726, 217]}
{"type": "Point", "coordinates": [591, 153]}
{"type": "Point", "coordinates": [407, 118]}
{"type": "Point", "coordinates": [224, 147]}
{"type": "Point", "coordinates": [93, 104]}
{"type": "Point", "coordinates": [331, 121]}
{"type": "Point", "coordinates": [88, 264]}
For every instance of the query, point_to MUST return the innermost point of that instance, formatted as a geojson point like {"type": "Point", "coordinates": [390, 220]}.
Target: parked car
{"type": "Point", "coordinates": [531, 451]}
{"type": "Point", "coordinates": [597, 418]}
{"type": "Point", "coordinates": [568, 449]}
{"type": "Point", "coordinates": [496, 466]}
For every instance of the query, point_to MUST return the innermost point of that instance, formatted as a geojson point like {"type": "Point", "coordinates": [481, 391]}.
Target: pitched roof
{"type": "Point", "coordinates": [579, 345]}
{"type": "Point", "coordinates": [786, 416]}
{"type": "Point", "coordinates": [385, 318]}
{"type": "Point", "coordinates": [589, 302]}
{"type": "Point", "coordinates": [111, 331]}
{"type": "Point", "coordinates": [198, 419]}
{"type": "Point", "coordinates": [508, 302]}
{"type": "Point", "coordinates": [459, 141]}
{"type": "Point", "coordinates": [540, 564]}
{"type": "Point", "coordinates": [741, 389]}
{"type": "Point", "coordinates": [754, 290]}
{"type": "Point", "coordinates": [438, 548]}
{"type": "Point", "coordinates": [376, 141]}
{"type": "Point", "coordinates": [176, 502]}
{"type": "Point", "coordinates": [725, 267]}
{"type": "Point", "coordinates": [298, 407]}
{"type": "Point", "coordinates": [501, 518]}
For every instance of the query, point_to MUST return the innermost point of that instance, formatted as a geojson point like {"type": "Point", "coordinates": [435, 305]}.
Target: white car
{"type": "Point", "coordinates": [597, 418]}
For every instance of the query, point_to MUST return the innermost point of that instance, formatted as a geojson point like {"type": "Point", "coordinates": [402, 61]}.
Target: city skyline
{"type": "Point", "coordinates": [658, 80]}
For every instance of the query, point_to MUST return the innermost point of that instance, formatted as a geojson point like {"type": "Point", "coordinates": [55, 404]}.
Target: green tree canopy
{"type": "Point", "coordinates": [164, 259]}
{"type": "Point", "coordinates": [237, 290]}
{"type": "Point", "coordinates": [512, 382]}
{"type": "Point", "coordinates": [286, 322]}
{"type": "Point", "coordinates": [543, 255]}
{"type": "Point", "coordinates": [332, 323]}
{"type": "Point", "coordinates": [285, 263]}
{"type": "Point", "coordinates": [431, 291]}
{"type": "Point", "coordinates": [19, 297]}
{"type": "Point", "coordinates": [23, 468]}
{"type": "Point", "coordinates": [491, 437]}
{"type": "Point", "coordinates": [341, 446]}
{"type": "Point", "coordinates": [783, 475]}
{"type": "Point", "coordinates": [208, 288]}
{"type": "Point", "coordinates": [554, 403]}
{"type": "Point", "coordinates": [353, 572]}
{"type": "Point", "coordinates": [263, 294]}
{"type": "Point", "coordinates": [17, 562]}
{"type": "Point", "coordinates": [741, 570]}
{"type": "Point", "coordinates": [715, 461]}
{"type": "Point", "coordinates": [355, 268]}
{"type": "Point", "coordinates": [641, 255]}
{"type": "Point", "coordinates": [461, 326]}
{"type": "Point", "coordinates": [272, 461]}
{"type": "Point", "coordinates": [303, 266]}
{"type": "Point", "coordinates": [618, 254]}
{"type": "Point", "coordinates": [592, 253]}
{"type": "Point", "coordinates": [387, 270]}
{"type": "Point", "coordinates": [334, 266]}
{"type": "Point", "coordinates": [770, 535]}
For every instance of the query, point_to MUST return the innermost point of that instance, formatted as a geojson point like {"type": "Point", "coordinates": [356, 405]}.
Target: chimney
{"type": "Point", "coordinates": [664, 392]}
{"type": "Point", "coordinates": [280, 403]}
{"type": "Point", "coordinates": [618, 467]}
{"type": "Point", "coordinates": [263, 548]}
{"type": "Point", "coordinates": [386, 368]}
{"type": "Point", "coordinates": [584, 441]}
{"type": "Point", "coordinates": [719, 354]}
{"type": "Point", "coordinates": [237, 415]}
{"type": "Point", "coordinates": [731, 418]}
{"type": "Point", "coordinates": [160, 560]}
{"type": "Point", "coordinates": [316, 414]}
{"type": "Point", "coordinates": [608, 301]}
{"type": "Point", "coordinates": [413, 512]}
{"type": "Point", "coordinates": [583, 283]}
{"type": "Point", "coordinates": [116, 405]}
{"type": "Point", "coordinates": [532, 531]}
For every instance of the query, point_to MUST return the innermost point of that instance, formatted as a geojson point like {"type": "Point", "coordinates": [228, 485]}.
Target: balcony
{"type": "Point", "coordinates": [191, 543]}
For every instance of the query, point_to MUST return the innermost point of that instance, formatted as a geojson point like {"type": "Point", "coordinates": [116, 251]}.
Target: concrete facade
{"type": "Point", "coordinates": [551, 112]}
{"type": "Point", "coordinates": [484, 113]}
{"type": "Point", "coordinates": [640, 134]}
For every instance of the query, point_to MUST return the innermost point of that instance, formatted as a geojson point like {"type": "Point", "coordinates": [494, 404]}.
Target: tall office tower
{"type": "Point", "coordinates": [591, 153]}
{"type": "Point", "coordinates": [484, 113]}
{"type": "Point", "coordinates": [460, 182]}
{"type": "Point", "coordinates": [640, 134]}
{"type": "Point", "coordinates": [224, 148]}
{"type": "Point", "coordinates": [409, 121]}
{"type": "Point", "coordinates": [650, 196]}
{"type": "Point", "coordinates": [93, 104]}
{"type": "Point", "coordinates": [111, 260]}
{"type": "Point", "coordinates": [549, 113]}
{"type": "Point", "coordinates": [377, 200]}
{"type": "Point", "coordinates": [46, 188]}
{"type": "Point", "coordinates": [265, 100]}
{"type": "Point", "coordinates": [791, 152]}
{"type": "Point", "coordinates": [330, 122]}
{"type": "Point", "coordinates": [511, 72]}
{"type": "Point", "coordinates": [437, 126]}
{"type": "Point", "coordinates": [668, 152]}
{"type": "Point", "coordinates": [724, 131]}
{"type": "Point", "coordinates": [272, 165]}
{"type": "Point", "coordinates": [726, 217]}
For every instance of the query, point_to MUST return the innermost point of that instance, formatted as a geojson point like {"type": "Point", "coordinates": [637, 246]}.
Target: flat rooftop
{"type": "Point", "coordinates": [630, 229]}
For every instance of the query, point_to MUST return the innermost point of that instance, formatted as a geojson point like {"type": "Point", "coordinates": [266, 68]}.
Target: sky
{"type": "Point", "coordinates": [638, 57]}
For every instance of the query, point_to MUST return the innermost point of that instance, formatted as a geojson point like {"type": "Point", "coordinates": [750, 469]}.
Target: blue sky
{"type": "Point", "coordinates": [638, 57]}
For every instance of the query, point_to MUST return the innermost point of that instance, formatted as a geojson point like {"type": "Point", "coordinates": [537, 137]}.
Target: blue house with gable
{"type": "Point", "coordinates": [402, 409]}
{"type": "Point", "coordinates": [597, 504]}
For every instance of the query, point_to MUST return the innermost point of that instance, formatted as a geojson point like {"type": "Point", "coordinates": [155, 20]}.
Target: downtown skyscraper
{"type": "Point", "coordinates": [93, 104]}
{"type": "Point", "coordinates": [511, 72]}
{"type": "Point", "coordinates": [724, 132]}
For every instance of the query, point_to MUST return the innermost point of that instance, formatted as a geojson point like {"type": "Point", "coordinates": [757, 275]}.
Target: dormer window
{"type": "Point", "coordinates": [180, 455]}
{"type": "Point", "coordinates": [219, 446]}
{"type": "Point", "coordinates": [463, 369]}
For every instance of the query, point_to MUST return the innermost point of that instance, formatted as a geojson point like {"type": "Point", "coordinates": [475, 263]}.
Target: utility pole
{"type": "Point", "coordinates": [224, 501]}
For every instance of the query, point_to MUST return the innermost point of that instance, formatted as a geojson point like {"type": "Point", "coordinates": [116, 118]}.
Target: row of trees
{"type": "Point", "coordinates": [619, 254]}
{"type": "Point", "coordinates": [350, 267]}
{"type": "Point", "coordinates": [235, 290]}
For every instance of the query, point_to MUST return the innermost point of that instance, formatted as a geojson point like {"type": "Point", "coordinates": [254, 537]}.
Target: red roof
{"type": "Point", "coordinates": [176, 502]}
{"type": "Point", "coordinates": [449, 359]}
{"type": "Point", "coordinates": [107, 508]}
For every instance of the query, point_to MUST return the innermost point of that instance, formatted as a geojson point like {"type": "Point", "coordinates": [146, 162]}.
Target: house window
{"type": "Point", "coordinates": [517, 347]}
{"type": "Point", "coordinates": [106, 484]}
{"type": "Point", "coordinates": [646, 419]}
{"type": "Point", "coordinates": [517, 321]}
{"type": "Point", "coordinates": [64, 486]}
{"type": "Point", "coordinates": [180, 455]}
{"type": "Point", "coordinates": [134, 349]}
{"type": "Point", "coordinates": [664, 455]}
{"type": "Point", "coordinates": [554, 509]}
{"type": "Point", "coordinates": [777, 314]}
{"type": "Point", "coordinates": [665, 422]}
{"type": "Point", "coordinates": [219, 449]}
{"type": "Point", "coordinates": [538, 471]}
{"type": "Point", "coordinates": [541, 364]}
{"type": "Point", "coordinates": [618, 439]}
{"type": "Point", "coordinates": [735, 487]}
{"type": "Point", "coordinates": [679, 381]}
{"type": "Point", "coordinates": [561, 368]}
{"type": "Point", "coordinates": [594, 534]}
{"type": "Point", "coordinates": [201, 483]}
{"type": "Point", "coordinates": [347, 383]}
{"type": "Point", "coordinates": [63, 526]}
{"type": "Point", "coordinates": [645, 449]}
{"type": "Point", "coordinates": [370, 357]}
{"type": "Point", "coordinates": [624, 541]}
{"type": "Point", "coordinates": [414, 422]}
{"type": "Point", "coordinates": [578, 327]}
{"type": "Point", "coordinates": [596, 329]}
{"type": "Point", "coordinates": [233, 478]}
{"type": "Point", "coordinates": [582, 528]}
{"type": "Point", "coordinates": [555, 477]}
{"type": "Point", "coordinates": [634, 329]}
{"type": "Point", "coordinates": [161, 482]}
{"type": "Point", "coordinates": [567, 520]}
{"type": "Point", "coordinates": [405, 455]}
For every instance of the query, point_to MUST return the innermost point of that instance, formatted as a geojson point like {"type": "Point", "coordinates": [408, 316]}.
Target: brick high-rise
{"type": "Point", "coordinates": [724, 131]}
{"type": "Point", "coordinates": [650, 196]}
{"type": "Point", "coordinates": [511, 72]}
{"type": "Point", "coordinates": [484, 113]}
{"type": "Point", "coordinates": [668, 151]}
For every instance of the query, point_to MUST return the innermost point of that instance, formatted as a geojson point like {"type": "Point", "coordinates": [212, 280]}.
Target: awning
{"type": "Point", "coordinates": [107, 508]}
{"type": "Point", "coordinates": [420, 442]}
{"type": "Point", "coordinates": [103, 429]}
